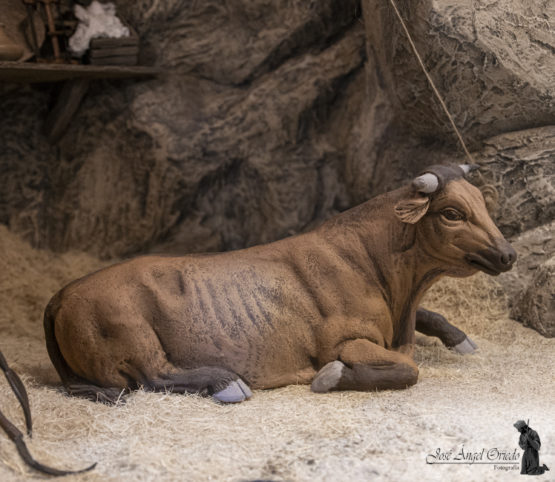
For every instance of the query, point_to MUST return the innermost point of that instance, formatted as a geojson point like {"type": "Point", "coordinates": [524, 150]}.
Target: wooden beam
{"type": "Point", "coordinates": [29, 72]}
{"type": "Point", "coordinates": [66, 106]}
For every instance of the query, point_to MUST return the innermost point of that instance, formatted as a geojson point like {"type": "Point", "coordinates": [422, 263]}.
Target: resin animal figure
{"type": "Point", "coordinates": [336, 307]}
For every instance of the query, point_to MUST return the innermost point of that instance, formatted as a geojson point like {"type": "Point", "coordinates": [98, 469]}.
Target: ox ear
{"type": "Point", "coordinates": [411, 210]}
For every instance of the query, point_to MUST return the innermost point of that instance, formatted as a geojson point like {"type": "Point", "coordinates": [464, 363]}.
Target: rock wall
{"type": "Point", "coordinates": [242, 141]}
{"type": "Point", "coordinates": [521, 166]}
{"type": "Point", "coordinates": [493, 63]}
{"type": "Point", "coordinates": [273, 115]}
{"type": "Point", "coordinates": [535, 307]}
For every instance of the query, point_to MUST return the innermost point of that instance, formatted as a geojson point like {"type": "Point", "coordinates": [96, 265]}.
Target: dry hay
{"type": "Point", "coordinates": [289, 433]}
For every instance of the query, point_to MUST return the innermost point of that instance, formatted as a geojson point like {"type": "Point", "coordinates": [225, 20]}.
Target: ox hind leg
{"type": "Point", "coordinates": [364, 366]}
{"type": "Point", "coordinates": [115, 363]}
{"type": "Point", "coordinates": [434, 324]}
{"type": "Point", "coordinates": [223, 385]}
{"type": "Point", "coordinates": [95, 393]}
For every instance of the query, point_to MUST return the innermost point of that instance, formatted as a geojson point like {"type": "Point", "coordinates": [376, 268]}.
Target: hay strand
{"type": "Point", "coordinates": [288, 433]}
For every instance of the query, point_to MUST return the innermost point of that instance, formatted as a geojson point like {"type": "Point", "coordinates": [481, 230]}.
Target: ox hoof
{"type": "Point", "coordinates": [235, 392]}
{"type": "Point", "coordinates": [465, 347]}
{"type": "Point", "coordinates": [328, 377]}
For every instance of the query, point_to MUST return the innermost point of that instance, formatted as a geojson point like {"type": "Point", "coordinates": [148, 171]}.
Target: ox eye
{"type": "Point", "coordinates": [452, 214]}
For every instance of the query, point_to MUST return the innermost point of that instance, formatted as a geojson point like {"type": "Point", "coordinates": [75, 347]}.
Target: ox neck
{"type": "Point", "coordinates": [390, 253]}
{"type": "Point", "coordinates": [410, 273]}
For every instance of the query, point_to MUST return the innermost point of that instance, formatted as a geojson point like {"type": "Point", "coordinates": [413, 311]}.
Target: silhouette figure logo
{"type": "Point", "coordinates": [529, 441]}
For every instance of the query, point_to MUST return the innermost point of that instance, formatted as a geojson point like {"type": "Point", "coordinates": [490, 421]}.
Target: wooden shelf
{"type": "Point", "coordinates": [76, 78]}
{"type": "Point", "coordinates": [30, 72]}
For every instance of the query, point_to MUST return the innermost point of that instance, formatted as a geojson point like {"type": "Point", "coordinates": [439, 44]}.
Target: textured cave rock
{"type": "Point", "coordinates": [534, 248]}
{"type": "Point", "coordinates": [274, 115]}
{"type": "Point", "coordinates": [518, 175]}
{"type": "Point", "coordinates": [493, 63]}
{"type": "Point", "coordinates": [226, 144]}
{"type": "Point", "coordinates": [536, 306]}
{"type": "Point", "coordinates": [521, 167]}
{"type": "Point", "coordinates": [529, 285]}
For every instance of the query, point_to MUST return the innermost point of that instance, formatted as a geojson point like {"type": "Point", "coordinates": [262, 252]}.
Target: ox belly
{"type": "Point", "coordinates": [151, 316]}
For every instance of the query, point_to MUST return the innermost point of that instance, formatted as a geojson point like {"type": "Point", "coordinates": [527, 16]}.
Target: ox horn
{"type": "Point", "coordinates": [426, 183]}
{"type": "Point", "coordinates": [468, 168]}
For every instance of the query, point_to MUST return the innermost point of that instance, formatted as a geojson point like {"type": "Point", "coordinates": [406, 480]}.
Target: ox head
{"type": "Point", "coordinates": [452, 223]}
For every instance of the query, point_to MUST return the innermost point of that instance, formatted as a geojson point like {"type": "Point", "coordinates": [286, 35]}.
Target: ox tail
{"type": "Point", "coordinates": [66, 373]}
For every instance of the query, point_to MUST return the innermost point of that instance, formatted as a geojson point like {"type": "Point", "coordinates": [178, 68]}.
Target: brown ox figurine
{"type": "Point", "coordinates": [336, 307]}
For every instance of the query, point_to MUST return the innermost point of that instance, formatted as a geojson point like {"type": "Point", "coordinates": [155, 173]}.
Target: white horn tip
{"type": "Point", "coordinates": [426, 183]}
{"type": "Point", "coordinates": [468, 167]}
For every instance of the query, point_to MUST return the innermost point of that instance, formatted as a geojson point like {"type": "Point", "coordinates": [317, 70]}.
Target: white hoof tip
{"type": "Point", "coordinates": [328, 377]}
{"type": "Point", "coordinates": [465, 347]}
{"type": "Point", "coordinates": [245, 388]}
{"type": "Point", "coordinates": [235, 392]}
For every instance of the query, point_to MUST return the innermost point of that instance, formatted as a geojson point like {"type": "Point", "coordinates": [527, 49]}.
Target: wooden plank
{"type": "Point", "coordinates": [116, 60]}
{"type": "Point", "coordinates": [114, 52]}
{"type": "Point", "coordinates": [30, 72]}
{"type": "Point", "coordinates": [114, 42]}
{"type": "Point", "coordinates": [67, 103]}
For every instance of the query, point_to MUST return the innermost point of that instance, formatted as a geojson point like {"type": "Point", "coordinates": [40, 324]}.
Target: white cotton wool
{"type": "Point", "coordinates": [95, 21]}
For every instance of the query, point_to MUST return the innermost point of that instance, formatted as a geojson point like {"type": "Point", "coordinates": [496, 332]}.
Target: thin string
{"type": "Point", "coordinates": [436, 92]}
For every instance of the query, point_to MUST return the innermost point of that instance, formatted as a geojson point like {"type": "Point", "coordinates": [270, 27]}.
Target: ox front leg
{"type": "Point", "coordinates": [364, 366]}
{"type": "Point", "coordinates": [434, 324]}
{"type": "Point", "coordinates": [225, 386]}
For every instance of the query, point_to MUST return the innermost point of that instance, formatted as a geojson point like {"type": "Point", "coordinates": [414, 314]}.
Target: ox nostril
{"type": "Point", "coordinates": [508, 257]}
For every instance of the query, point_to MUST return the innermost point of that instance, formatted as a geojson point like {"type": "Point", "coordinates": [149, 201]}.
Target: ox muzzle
{"type": "Point", "coordinates": [493, 260]}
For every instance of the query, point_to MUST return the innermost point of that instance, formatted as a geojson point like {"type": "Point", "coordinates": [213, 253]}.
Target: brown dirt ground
{"type": "Point", "coordinates": [460, 402]}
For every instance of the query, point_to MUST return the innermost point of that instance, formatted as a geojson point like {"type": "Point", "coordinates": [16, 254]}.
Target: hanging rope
{"type": "Point", "coordinates": [436, 92]}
